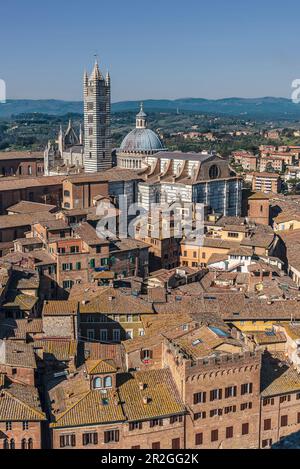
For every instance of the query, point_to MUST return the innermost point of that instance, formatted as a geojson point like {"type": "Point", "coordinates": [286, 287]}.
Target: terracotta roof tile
{"type": "Point", "coordinates": [17, 354]}
{"type": "Point", "coordinates": [60, 308]}
{"type": "Point", "coordinates": [158, 387]}
{"type": "Point", "coordinates": [20, 402]}
{"type": "Point", "coordinates": [95, 367]}
{"type": "Point", "coordinates": [278, 377]}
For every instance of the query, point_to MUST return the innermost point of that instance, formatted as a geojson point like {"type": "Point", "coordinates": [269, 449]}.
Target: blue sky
{"type": "Point", "coordinates": [153, 49]}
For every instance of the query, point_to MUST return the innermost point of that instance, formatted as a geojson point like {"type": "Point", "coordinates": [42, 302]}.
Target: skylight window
{"type": "Point", "coordinates": [218, 331]}
{"type": "Point", "coordinates": [197, 342]}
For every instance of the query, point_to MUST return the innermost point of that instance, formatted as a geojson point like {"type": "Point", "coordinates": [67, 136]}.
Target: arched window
{"type": "Point", "coordinates": [23, 444]}
{"type": "Point", "coordinates": [5, 444]}
{"type": "Point", "coordinates": [12, 444]}
{"type": "Point", "coordinates": [29, 170]}
{"type": "Point", "coordinates": [214, 171]}
{"type": "Point", "coordinates": [107, 382]}
{"type": "Point", "coordinates": [97, 383]}
{"type": "Point", "coordinates": [30, 443]}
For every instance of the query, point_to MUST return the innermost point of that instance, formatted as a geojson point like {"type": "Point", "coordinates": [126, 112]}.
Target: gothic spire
{"type": "Point", "coordinates": [85, 78]}
{"type": "Point", "coordinates": [96, 74]}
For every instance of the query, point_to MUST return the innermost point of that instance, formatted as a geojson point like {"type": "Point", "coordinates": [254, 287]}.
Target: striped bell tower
{"type": "Point", "coordinates": [97, 133]}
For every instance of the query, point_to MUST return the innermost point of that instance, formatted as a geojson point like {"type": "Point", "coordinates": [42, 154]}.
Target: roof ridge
{"type": "Point", "coordinates": [101, 360]}
{"type": "Point", "coordinates": [41, 413]}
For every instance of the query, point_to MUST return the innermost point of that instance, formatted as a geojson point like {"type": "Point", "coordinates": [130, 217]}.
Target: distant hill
{"type": "Point", "coordinates": [255, 108]}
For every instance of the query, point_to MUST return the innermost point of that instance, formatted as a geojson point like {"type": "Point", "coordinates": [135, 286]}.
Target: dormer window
{"type": "Point", "coordinates": [104, 383]}
{"type": "Point", "coordinates": [146, 354]}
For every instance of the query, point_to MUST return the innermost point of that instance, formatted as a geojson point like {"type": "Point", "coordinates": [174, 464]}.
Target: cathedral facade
{"type": "Point", "coordinates": [170, 177]}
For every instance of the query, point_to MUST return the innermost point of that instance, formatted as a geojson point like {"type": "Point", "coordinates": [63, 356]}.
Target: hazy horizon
{"type": "Point", "coordinates": [158, 50]}
{"type": "Point", "coordinates": [154, 99]}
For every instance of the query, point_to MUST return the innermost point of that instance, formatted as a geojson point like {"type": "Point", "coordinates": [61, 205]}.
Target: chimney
{"type": "Point", "coordinates": [3, 351]}
{"type": "Point", "coordinates": [142, 386]}
{"type": "Point", "coordinates": [145, 400]}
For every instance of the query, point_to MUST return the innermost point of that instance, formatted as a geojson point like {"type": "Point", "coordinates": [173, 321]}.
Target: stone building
{"type": "Point", "coordinates": [138, 145]}
{"type": "Point", "coordinates": [175, 176]}
{"type": "Point", "coordinates": [191, 178]}
{"type": "Point", "coordinates": [75, 151]}
{"type": "Point", "coordinates": [97, 134]}
{"type": "Point", "coordinates": [66, 154]}
{"type": "Point", "coordinates": [60, 319]}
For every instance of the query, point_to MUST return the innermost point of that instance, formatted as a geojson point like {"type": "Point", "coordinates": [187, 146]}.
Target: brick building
{"type": "Point", "coordinates": [21, 163]}
{"type": "Point", "coordinates": [13, 227]}
{"type": "Point", "coordinates": [222, 393]}
{"type": "Point", "coordinates": [280, 400]}
{"type": "Point", "coordinates": [79, 191]}
{"type": "Point", "coordinates": [41, 189]}
{"type": "Point", "coordinates": [143, 411]}
{"type": "Point", "coordinates": [21, 416]}
{"type": "Point", "coordinates": [259, 208]}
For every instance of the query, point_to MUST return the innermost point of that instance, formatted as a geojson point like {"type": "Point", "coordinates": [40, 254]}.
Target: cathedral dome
{"type": "Point", "coordinates": [141, 139]}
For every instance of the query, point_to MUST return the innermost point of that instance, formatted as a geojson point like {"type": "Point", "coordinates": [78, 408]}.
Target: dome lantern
{"type": "Point", "coordinates": [141, 118]}
{"type": "Point", "coordinates": [141, 140]}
